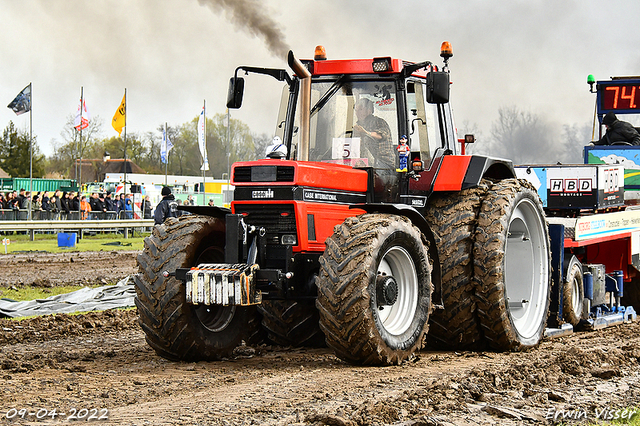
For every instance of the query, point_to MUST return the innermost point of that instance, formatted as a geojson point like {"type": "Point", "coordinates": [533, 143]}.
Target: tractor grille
{"type": "Point", "coordinates": [279, 221]}
{"type": "Point", "coordinates": [275, 219]}
{"type": "Point", "coordinates": [263, 174]}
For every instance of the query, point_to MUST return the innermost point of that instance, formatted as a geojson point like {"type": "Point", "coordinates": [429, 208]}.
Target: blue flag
{"type": "Point", "coordinates": [22, 102]}
{"type": "Point", "coordinates": [165, 147]}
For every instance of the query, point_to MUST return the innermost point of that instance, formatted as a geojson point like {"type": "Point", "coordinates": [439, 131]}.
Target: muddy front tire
{"type": "Point", "coordinates": [512, 266]}
{"type": "Point", "coordinates": [374, 290]}
{"type": "Point", "coordinates": [175, 329]}
{"type": "Point", "coordinates": [292, 323]}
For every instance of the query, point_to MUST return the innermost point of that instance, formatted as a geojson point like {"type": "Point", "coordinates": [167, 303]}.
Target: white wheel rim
{"type": "Point", "coordinates": [526, 269]}
{"type": "Point", "coordinates": [576, 284]}
{"type": "Point", "coordinates": [397, 318]}
{"type": "Point", "coordinates": [576, 303]}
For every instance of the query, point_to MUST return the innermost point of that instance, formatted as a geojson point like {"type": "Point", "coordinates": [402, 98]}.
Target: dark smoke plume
{"type": "Point", "coordinates": [249, 15]}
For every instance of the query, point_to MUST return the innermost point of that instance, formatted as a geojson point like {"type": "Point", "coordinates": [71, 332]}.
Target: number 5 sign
{"type": "Point", "coordinates": [345, 148]}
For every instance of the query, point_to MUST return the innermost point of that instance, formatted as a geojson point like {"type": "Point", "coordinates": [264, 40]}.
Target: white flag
{"type": "Point", "coordinates": [202, 142]}
{"type": "Point", "coordinates": [81, 121]}
{"type": "Point", "coordinates": [165, 147]}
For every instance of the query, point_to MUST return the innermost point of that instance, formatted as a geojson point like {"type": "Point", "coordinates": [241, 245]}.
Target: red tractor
{"type": "Point", "coordinates": [330, 241]}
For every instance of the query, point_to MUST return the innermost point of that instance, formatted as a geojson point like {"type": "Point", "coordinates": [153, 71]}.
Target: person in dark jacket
{"type": "Point", "coordinates": [109, 203]}
{"type": "Point", "coordinates": [66, 205]}
{"type": "Point", "coordinates": [21, 197]}
{"type": "Point", "coordinates": [618, 131]}
{"type": "Point", "coordinates": [167, 207]}
{"type": "Point", "coordinates": [120, 207]}
{"type": "Point", "coordinates": [146, 207]}
{"type": "Point", "coordinates": [46, 206]}
{"type": "Point", "coordinates": [74, 203]}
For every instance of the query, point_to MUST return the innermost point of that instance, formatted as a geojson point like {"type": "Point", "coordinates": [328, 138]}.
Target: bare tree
{"type": "Point", "coordinates": [260, 143]}
{"type": "Point", "coordinates": [575, 137]}
{"type": "Point", "coordinates": [524, 138]}
{"type": "Point", "coordinates": [72, 149]}
{"type": "Point", "coordinates": [468, 128]}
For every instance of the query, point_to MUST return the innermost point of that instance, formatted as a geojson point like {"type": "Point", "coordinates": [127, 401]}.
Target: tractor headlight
{"type": "Point", "coordinates": [289, 240]}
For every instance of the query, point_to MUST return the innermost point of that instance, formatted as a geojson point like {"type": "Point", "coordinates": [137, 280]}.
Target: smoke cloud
{"type": "Point", "coordinates": [249, 15]}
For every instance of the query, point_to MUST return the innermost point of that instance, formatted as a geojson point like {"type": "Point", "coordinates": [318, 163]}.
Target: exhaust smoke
{"type": "Point", "coordinates": [250, 16]}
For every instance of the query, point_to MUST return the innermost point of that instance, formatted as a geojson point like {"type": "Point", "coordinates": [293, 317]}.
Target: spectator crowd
{"type": "Point", "coordinates": [62, 205]}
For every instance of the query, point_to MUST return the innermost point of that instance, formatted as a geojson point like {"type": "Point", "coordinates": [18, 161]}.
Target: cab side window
{"type": "Point", "coordinates": [424, 123]}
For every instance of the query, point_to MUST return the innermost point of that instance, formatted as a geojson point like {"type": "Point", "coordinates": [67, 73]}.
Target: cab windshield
{"type": "Point", "coordinates": [354, 123]}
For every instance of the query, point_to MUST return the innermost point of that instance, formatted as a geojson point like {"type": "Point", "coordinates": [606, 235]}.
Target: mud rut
{"type": "Point", "coordinates": [101, 361]}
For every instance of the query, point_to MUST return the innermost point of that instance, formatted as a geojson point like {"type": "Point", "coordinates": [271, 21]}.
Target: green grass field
{"type": "Point", "coordinates": [23, 293]}
{"type": "Point", "coordinates": [21, 243]}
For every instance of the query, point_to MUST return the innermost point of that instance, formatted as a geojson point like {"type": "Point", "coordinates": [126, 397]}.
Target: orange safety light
{"type": "Point", "coordinates": [445, 50]}
{"type": "Point", "coordinates": [320, 54]}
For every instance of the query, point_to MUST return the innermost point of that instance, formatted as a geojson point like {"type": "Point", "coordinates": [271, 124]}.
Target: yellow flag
{"type": "Point", "coordinates": [120, 117]}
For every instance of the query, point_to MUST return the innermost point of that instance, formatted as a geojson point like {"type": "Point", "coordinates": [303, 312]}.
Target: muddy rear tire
{"type": "Point", "coordinates": [453, 219]}
{"type": "Point", "coordinates": [374, 290]}
{"type": "Point", "coordinates": [175, 329]}
{"type": "Point", "coordinates": [631, 295]}
{"type": "Point", "coordinates": [292, 323]}
{"type": "Point", "coordinates": [573, 294]}
{"type": "Point", "coordinates": [512, 266]}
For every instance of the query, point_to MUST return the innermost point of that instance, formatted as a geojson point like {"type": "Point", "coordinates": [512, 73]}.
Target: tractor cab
{"type": "Point", "coordinates": [355, 113]}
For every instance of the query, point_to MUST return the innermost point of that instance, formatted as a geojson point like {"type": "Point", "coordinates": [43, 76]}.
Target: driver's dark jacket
{"type": "Point", "coordinates": [620, 131]}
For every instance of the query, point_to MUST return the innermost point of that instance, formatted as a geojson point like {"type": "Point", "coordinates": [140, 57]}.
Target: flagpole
{"type": "Point", "coordinates": [125, 142]}
{"type": "Point", "coordinates": [204, 169]}
{"type": "Point", "coordinates": [228, 152]}
{"type": "Point", "coordinates": [30, 149]}
{"type": "Point", "coordinates": [166, 155]}
{"type": "Point", "coordinates": [79, 176]}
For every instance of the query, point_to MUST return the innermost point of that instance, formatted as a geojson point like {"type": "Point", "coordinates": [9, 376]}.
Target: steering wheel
{"type": "Point", "coordinates": [621, 143]}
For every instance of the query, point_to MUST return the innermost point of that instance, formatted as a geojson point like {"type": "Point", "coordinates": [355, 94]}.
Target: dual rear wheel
{"type": "Point", "coordinates": [512, 261]}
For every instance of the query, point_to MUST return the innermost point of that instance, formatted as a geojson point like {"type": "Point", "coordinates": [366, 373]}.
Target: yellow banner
{"type": "Point", "coordinates": [120, 117]}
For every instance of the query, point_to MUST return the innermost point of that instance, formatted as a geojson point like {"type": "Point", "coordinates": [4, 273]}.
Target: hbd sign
{"type": "Point", "coordinates": [570, 185]}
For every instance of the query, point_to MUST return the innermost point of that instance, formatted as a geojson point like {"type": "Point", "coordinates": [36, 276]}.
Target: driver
{"type": "Point", "coordinates": [374, 133]}
{"type": "Point", "coordinates": [618, 131]}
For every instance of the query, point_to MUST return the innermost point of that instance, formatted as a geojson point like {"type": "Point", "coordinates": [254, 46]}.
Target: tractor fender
{"type": "Point", "coordinates": [418, 220]}
{"type": "Point", "coordinates": [494, 168]}
{"type": "Point", "coordinates": [458, 172]}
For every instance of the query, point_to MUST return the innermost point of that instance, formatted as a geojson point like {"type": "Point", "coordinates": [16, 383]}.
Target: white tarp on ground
{"type": "Point", "coordinates": [86, 299]}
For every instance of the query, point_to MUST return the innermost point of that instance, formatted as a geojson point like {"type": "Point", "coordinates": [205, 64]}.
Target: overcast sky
{"type": "Point", "coordinates": [173, 55]}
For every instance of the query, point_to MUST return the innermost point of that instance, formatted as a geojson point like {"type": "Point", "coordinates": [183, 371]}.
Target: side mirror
{"type": "Point", "coordinates": [438, 87]}
{"type": "Point", "coordinates": [236, 90]}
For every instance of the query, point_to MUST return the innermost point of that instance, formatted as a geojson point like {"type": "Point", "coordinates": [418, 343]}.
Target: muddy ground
{"type": "Point", "coordinates": [98, 365]}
